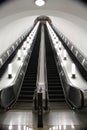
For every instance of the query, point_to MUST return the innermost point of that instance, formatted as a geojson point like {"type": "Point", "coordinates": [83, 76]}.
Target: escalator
{"type": "Point", "coordinates": [25, 98]}
{"type": "Point", "coordinates": [55, 91]}
{"type": "Point", "coordinates": [80, 67]}
{"type": "Point", "coordinates": [11, 57]}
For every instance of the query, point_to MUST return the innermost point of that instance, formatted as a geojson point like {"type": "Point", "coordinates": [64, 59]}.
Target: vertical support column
{"type": "Point", "coordinates": [46, 101]}
{"type": "Point", "coordinates": [35, 101]}
{"type": "Point", "coordinates": [40, 110]}
{"type": "Point", "coordinates": [41, 80]}
{"type": "Point", "coordinates": [41, 64]}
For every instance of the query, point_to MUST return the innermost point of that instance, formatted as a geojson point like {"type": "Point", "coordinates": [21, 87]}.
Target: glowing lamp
{"type": "Point", "coordinates": [19, 55]}
{"type": "Point", "coordinates": [73, 70]}
{"type": "Point", "coordinates": [24, 46]}
{"type": "Point", "coordinates": [10, 127]}
{"type": "Point", "coordinates": [65, 54]}
{"type": "Point", "coordinates": [10, 71]}
{"type": "Point", "coordinates": [40, 2]}
{"type": "Point", "coordinates": [72, 126]}
{"type": "Point", "coordinates": [60, 46]}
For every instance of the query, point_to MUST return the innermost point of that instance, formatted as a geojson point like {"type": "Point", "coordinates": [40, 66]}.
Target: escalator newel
{"type": "Point", "coordinates": [40, 110]}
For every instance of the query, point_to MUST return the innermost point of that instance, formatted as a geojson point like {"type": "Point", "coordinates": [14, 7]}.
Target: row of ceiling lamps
{"type": "Point", "coordinates": [58, 46]}
{"type": "Point", "coordinates": [26, 45]}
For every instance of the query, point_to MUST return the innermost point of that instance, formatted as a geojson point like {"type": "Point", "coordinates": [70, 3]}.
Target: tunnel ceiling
{"type": "Point", "coordinates": [4, 1]}
{"type": "Point", "coordinates": [83, 1]}
{"type": "Point", "coordinates": [70, 16]}
{"type": "Point", "coordinates": [10, 7]}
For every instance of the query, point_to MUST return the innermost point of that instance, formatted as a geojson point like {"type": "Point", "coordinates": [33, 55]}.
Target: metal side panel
{"type": "Point", "coordinates": [75, 97]}
{"type": "Point", "coordinates": [7, 97]}
{"type": "Point", "coordinates": [10, 94]}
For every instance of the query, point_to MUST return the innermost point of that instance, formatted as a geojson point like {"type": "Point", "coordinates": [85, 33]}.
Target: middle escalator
{"type": "Point", "coordinates": [25, 98]}
{"type": "Point", "coordinates": [55, 89]}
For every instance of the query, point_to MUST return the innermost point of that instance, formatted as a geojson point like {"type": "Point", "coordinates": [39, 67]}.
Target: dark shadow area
{"type": "Point", "coordinates": [2, 2]}
{"type": "Point", "coordinates": [82, 1]}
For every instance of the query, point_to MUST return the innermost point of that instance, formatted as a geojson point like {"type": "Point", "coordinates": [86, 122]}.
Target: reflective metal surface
{"type": "Point", "coordinates": [26, 127]}
{"type": "Point", "coordinates": [61, 119]}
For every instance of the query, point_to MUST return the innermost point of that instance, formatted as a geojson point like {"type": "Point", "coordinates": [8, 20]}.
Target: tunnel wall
{"type": "Point", "coordinates": [11, 32]}
{"type": "Point", "coordinates": [12, 27]}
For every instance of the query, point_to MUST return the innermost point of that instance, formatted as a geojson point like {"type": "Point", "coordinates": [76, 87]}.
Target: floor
{"type": "Point", "coordinates": [61, 119]}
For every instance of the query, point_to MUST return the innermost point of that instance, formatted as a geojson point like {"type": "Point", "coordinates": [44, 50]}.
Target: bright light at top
{"type": "Point", "coordinates": [10, 127]}
{"type": "Point", "coordinates": [39, 2]}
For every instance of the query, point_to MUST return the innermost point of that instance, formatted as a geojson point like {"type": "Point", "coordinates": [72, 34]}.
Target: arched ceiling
{"type": "Point", "coordinates": [67, 6]}
{"type": "Point", "coordinates": [67, 15]}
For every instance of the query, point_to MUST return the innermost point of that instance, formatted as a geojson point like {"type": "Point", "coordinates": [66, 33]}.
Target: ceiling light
{"type": "Point", "coordinates": [40, 2]}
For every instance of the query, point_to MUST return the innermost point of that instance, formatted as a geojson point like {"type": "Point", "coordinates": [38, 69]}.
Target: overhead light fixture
{"type": "Point", "coordinates": [40, 2]}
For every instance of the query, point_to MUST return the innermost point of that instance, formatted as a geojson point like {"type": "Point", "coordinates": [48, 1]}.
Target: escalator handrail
{"type": "Point", "coordinates": [78, 56]}
{"type": "Point", "coordinates": [17, 43]}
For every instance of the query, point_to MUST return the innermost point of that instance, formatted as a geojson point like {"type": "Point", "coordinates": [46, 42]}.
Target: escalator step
{"type": "Point", "coordinates": [27, 92]}
{"type": "Point", "coordinates": [56, 96]}
{"type": "Point", "coordinates": [25, 101]}
{"type": "Point", "coordinates": [55, 90]}
{"type": "Point", "coordinates": [29, 83]}
{"type": "Point", "coordinates": [57, 100]}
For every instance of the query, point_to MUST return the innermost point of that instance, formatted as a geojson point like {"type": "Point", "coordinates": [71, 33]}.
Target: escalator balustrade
{"type": "Point", "coordinates": [29, 83]}
{"type": "Point", "coordinates": [54, 84]}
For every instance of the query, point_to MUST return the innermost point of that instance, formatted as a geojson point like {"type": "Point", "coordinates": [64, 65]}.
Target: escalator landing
{"type": "Point", "coordinates": [22, 106]}
{"type": "Point", "coordinates": [58, 106]}
{"type": "Point", "coordinates": [54, 119]}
